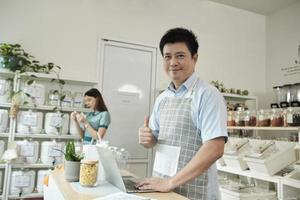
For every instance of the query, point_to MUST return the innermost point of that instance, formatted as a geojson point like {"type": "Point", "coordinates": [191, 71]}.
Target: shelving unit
{"type": "Point", "coordinates": [279, 180]}
{"type": "Point", "coordinates": [11, 135]}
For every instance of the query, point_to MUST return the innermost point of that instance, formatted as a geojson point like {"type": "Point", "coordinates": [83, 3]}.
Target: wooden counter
{"type": "Point", "coordinates": [67, 192]}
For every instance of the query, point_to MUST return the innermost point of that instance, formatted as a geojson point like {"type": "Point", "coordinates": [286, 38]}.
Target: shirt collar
{"type": "Point", "coordinates": [187, 85]}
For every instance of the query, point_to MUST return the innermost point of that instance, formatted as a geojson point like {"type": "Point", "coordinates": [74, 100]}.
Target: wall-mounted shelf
{"type": "Point", "coordinates": [48, 108]}
{"type": "Point", "coordinates": [238, 97]}
{"type": "Point", "coordinates": [26, 196]}
{"type": "Point", "coordinates": [263, 128]}
{"type": "Point", "coordinates": [248, 173]}
{"type": "Point", "coordinates": [69, 137]}
{"type": "Point", "coordinates": [32, 166]}
{"type": "Point", "coordinates": [47, 77]}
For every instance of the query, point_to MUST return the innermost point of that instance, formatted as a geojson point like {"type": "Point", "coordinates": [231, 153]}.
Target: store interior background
{"type": "Point", "coordinates": [243, 49]}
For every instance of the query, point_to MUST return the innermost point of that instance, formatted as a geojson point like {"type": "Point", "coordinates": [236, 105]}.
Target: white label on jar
{"type": "Point", "coordinates": [27, 150]}
{"type": "Point", "coordinates": [56, 121]}
{"type": "Point", "coordinates": [289, 118]}
{"type": "Point", "coordinates": [29, 119]}
{"type": "Point", "coordinates": [247, 118]}
{"type": "Point", "coordinates": [2, 89]}
{"type": "Point", "coordinates": [53, 151]}
{"type": "Point", "coordinates": [260, 117]}
{"type": "Point", "coordinates": [22, 181]}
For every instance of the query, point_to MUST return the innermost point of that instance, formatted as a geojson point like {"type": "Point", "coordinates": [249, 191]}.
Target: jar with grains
{"type": "Point", "coordinates": [230, 118]}
{"type": "Point", "coordinates": [88, 172]}
{"type": "Point", "coordinates": [277, 118]}
{"type": "Point", "coordinates": [263, 118]}
{"type": "Point", "coordinates": [250, 118]}
{"type": "Point", "coordinates": [239, 118]}
{"type": "Point", "coordinates": [293, 117]}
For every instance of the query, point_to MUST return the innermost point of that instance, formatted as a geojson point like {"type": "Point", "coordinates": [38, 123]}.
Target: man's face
{"type": "Point", "coordinates": [178, 62]}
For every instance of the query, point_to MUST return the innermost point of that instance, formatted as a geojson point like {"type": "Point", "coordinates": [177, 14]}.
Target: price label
{"type": "Point", "coordinates": [29, 119]}
{"type": "Point", "coordinates": [22, 181]}
{"type": "Point", "coordinates": [289, 118]}
{"type": "Point", "coordinates": [2, 89]}
{"type": "Point", "coordinates": [53, 152]}
{"type": "Point", "coordinates": [56, 121]}
{"type": "Point", "coordinates": [27, 150]}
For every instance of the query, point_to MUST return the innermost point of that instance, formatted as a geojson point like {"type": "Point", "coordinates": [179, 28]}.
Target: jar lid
{"type": "Point", "coordinates": [89, 162]}
{"type": "Point", "coordinates": [287, 85]}
{"type": "Point", "coordinates": [296, 83]}
{"type": "Point", "coordinates": [277, 87]}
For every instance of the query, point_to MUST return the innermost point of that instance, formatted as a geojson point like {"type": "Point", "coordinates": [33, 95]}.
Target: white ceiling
{"type": "Point", "coordinates": [264, 7]}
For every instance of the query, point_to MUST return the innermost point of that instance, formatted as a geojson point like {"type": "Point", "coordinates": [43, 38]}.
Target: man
{"type": "Point", "coordinates": [187, 125]}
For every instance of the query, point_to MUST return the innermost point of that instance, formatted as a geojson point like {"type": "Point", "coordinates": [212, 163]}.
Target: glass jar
{"type": "Point", "coordinates": [78, 100]}
{"type": "Point", "coordinates": [263, 118]}
{"type": "Point", "coordinates": [67, 100]}
{"type": "Point", "coordinates": [277, 96]}
{"type": "Point", "coordinates": [239, 118]}
{"type": "Point", "coordinates": [293, 117]}
{"type": "Point", "coordinates": [297, 91]}
{"type": "Point", "coordinates": [277, 118]}
{"type": "Point", "coordinates": [88, 172]}
{"type": "Point", "coordinates": [230, 118]}
{"type": "Point", "coordinates": [250, 118]}
{"type": "Point", "coordinates": [53, 98]}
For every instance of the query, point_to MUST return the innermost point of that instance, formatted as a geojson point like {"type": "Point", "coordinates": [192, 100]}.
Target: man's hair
{"type": "Point", "coordinates": [180, 35]}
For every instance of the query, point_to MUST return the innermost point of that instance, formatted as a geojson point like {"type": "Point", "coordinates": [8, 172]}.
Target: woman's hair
{"type": "Point", "coordinates": [100, 105]}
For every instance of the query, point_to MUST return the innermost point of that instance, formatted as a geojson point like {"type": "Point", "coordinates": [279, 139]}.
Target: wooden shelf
{"type": "Point", "coordinates": [264, 128]}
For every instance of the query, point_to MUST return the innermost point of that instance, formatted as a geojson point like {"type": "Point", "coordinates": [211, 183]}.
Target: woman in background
{"type": "Point", "coordinates": [95, 123]}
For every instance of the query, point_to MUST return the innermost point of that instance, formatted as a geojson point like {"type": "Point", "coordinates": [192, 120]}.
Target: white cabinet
{"type": "Point", "coordinates": [33, 130]}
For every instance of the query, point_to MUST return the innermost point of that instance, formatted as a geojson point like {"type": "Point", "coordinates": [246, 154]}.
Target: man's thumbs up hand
{"type": "Point", "coordinates": [146, 137]}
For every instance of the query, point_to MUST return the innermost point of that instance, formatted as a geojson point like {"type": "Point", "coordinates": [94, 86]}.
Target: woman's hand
{"type": "Point", "coordinates": [73, 115]}
{"type": "Point", "coordinates": [80, 118]}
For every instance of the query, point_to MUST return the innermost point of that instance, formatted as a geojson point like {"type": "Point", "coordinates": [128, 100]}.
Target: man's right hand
{"type": "Point", "coordinates": [146, 137]}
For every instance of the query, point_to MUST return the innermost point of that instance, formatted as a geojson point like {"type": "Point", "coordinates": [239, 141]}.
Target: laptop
{"type": "Point", "coordinates": [113, 175]}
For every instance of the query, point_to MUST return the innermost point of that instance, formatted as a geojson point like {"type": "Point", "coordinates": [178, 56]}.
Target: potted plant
{"type": "Point", "coordinates": [72, 162]}
{"type": "Point", "coordinates": [13, 57]}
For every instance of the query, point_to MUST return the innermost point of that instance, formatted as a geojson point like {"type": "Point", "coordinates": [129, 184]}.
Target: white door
{"type": "Point", "coordinates": [127, 74]}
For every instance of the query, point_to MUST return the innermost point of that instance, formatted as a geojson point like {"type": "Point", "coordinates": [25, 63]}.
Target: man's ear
{"type": "Point", "coordinates": [195, 57]}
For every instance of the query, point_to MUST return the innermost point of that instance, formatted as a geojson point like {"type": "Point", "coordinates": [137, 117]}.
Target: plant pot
{"type": "Point", "coordinates": [72, 170]}
{"type": "Point", "coordinates": [11, 62]}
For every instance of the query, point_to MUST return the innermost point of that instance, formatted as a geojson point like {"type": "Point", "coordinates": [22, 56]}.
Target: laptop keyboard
{"type": "Point", "coordinates": [129, 184]}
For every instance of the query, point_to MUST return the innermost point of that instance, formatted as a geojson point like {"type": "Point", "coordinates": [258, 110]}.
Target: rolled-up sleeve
{"type": "Point", "coordinates": [212, 116]}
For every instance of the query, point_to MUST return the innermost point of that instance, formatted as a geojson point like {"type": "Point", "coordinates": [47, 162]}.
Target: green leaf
{"type": "Point", "coordinates": [27, 94]}
{"type": "Point", "coordinates": [62, 82]}
{"type": "Point", "coordinates": [30, 82]}
{"type": "Point", "coordinates": [34, 76]}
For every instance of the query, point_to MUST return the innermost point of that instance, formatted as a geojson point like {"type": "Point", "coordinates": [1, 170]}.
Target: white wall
{"type": "Point", "coordinates": [283, 39]}
{"type": "Point", "coordinates": [232, 41]}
